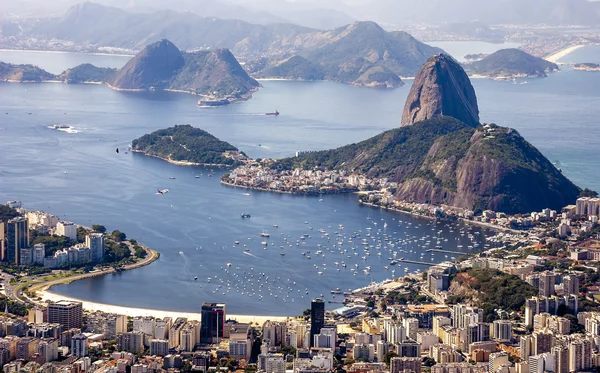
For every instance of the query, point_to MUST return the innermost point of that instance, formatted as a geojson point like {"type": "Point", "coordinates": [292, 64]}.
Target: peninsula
{"type": "Point", "coordinates": [186, 145]}
{"type": "Point", "coordinates": [442, 155]}
{"type": "Point", "coordinates": [587, 67]}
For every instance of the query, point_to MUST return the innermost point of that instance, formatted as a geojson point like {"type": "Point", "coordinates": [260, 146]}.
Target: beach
{"type": "Point", "coordinates": [47, 295]}
{"type": "Point", "coordinates": [562, 53]}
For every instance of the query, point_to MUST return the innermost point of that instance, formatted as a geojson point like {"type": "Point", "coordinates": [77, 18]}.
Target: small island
{"type": "Point", "coordinates": [509, 64]}
{"type": "Point", "coordinates": [587, 67]}
{"type": "Point", "coordinates": [188, 146]}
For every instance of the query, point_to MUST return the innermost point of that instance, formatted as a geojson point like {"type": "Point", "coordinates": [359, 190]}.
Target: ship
{"type": "Point", "coordinates": [212, 102]}
{"type": "Point", "coordinates": [275, 113]}
{"type": "Point", "coordinates": [244, 216]}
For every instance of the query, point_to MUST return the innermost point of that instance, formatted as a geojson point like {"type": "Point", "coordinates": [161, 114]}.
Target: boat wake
{"type": "Point", "coordinates": [63, 128]}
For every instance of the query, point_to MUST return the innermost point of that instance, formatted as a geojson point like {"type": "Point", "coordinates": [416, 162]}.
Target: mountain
{"type": "Point", "coordinates": [510, 63]}
{"type": "Point", "coordinates": [102, 26]}
{"type": "Point", "coordinates": [441, 87]}
{"type": "Point", "coordinates": [162, 65]}
{"type": "Point", "coordinates": [294, 67]}
{"type": "Point", "coordinates": [443, 160]}
{"type": "Point", "coordinates": [365, 44]}
{"type": "Point", "coordinates": [361, 54]}
{"type": "Point", "coordinates": [184, 144]}
{"type": "Point", "coordinates": [23, 73]}
{"type": "Point", "coordinates": [153, 66]}
{"type": "Point", "coordinates": [87, 73]}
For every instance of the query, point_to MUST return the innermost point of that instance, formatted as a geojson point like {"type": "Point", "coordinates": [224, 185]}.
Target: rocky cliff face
{"type": "Point", "coordinates": [152, 67]}
{"type": "Point", "coordinates": [441, 88]}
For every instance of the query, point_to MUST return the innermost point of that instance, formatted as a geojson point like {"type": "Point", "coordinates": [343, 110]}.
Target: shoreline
{"type": "Point", "coordinates": [562, 53]}
{"type": "Point", "coordinates": [133, 311]}
{"type": "Point", "coordinates": [67, 52]}
{"type": "Point", "coordinates": [180, 163]}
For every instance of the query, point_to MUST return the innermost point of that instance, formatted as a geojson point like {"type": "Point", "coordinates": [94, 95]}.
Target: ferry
{"type": "Point", "coordinates": [60, 126]}
{"type": "Point", "coordinates": [274, 113]}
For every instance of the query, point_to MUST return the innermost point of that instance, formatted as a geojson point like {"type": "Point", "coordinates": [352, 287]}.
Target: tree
{"type": "Point", "coordinates": [99, 228]}
{"type": "Point", "coordinates": [7, 213]}
{"type": "Point", "coordinates": [588, 193]}
{"type": "Point", "coordinates": [428, 361]}
{"type": "Point", "coordinates": [348, 361]}
{"type": "Point", "coordinates": [388, 356]}
{"type": "Point", "coordinates": [288, 350]}
{"type": "Point", "coordinates": [118, 236]}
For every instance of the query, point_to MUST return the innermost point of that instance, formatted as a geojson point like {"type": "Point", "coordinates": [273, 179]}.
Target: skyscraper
{"type": "Point", "coordinates": [571, 284]}
{"type": "Point", "coordinates": [317, 318]}
{"type": "Point", "coordinates": [213, 321]}
{"type": "Point", "coordinates": [16, 238]}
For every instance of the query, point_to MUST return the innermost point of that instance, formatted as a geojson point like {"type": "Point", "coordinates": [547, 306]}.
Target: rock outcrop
{"type": "Point", "coordinates": [441, 88]}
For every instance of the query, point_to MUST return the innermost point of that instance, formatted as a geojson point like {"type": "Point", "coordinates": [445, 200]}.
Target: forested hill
{"type": "Point", "coordinates": [186, 144]}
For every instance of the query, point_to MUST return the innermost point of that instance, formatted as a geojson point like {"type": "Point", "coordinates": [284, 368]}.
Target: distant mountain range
{"type": "Point", "coordinates": [361, 54]}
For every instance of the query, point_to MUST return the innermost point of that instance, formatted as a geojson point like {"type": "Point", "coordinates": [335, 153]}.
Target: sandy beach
{"type": "Point", "coordinates": [131, 311]}
{"type": "Point", "coordinates": [560, 54]}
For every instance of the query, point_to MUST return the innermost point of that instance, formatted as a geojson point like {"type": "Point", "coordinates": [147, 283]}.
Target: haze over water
{"type": "Point", "coordinates": [557, 114]}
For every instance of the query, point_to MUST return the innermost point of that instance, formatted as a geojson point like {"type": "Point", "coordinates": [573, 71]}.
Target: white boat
{"type": "Point", "coordinates": [264, 234]}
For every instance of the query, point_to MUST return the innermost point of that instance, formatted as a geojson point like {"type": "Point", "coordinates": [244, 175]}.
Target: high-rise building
{"type": "Point", "coordinates": [547, 281]}
{"type": "Point", "coordinates": [66, 313]}
{"type": "Point", "coordinates": [502, 330]}
{"type": "Point", "coordinates": [405, 364]}
{"type": "Point", "coordinates": [39, 253]}
{"type": "Point", "coordinates": [131, 342]}
{"type": "Point", "coordinates": [580, 355]}
{"type": "Point", "coordinates": [213, 321]}
{"type": "Point", "coordinates": [95, 241]}
{"type": "Point", "coordinates": [159, 347]}
{"type": "Point", "coordinates": [317, 318]}
{"type": "Point", "coordinates": [67, 229]}
{"type": "Point", "coordinates": [275, 365]}
{"type": "Point", "coordinates": [16, 238]}
{"type": "Point", "coordinates": [26, 256]}
{"type": "Point", "coordinates": [561, 359]}
{"type": "Point", "coordinates": [79, 345]}
{"type": "Point", "coordinates": [571, 284]}
{"type": "Point", "coordinates": [409, 349]}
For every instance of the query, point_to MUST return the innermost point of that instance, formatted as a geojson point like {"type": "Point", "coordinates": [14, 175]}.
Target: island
{"type": "Point", "coordinates": [214, 75]}
{"type": "Point", "coordinates": [189, 146]}
{"type": "Point", "coordinates": [510, 63]}
{"type": "Point", "coordinates": [441, 155]}
{"type": "Point", "coordinates": [587, 67]}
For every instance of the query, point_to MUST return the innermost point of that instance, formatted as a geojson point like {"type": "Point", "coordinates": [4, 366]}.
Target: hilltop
{"type": "Point", "coordinates": [87, 73]}
{"type": "Point", "coordinates": [447, 160]}
{"type": "Point", "coordinates": [162, 65]}
{"type": "Point", "coordinates": [184, 144]}
{"type": "Point", "coordinates": [509, 63]}
{"type": "Point", "coordinates": [23, 73]}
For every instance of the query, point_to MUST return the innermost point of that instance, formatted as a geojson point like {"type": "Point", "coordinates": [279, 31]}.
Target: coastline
{"type": "Point", "coordinates": [562, 53]}
{"type": "Point", "coordinates": [67, 52]}
{"type": "Point", "coordinates": [48, 295]}
{"type": "Point", "coordinates": [180, 163]}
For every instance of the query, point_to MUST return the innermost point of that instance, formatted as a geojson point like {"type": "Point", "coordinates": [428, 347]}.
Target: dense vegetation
{"type": "Point", "coordinates": [185, 143]}
{"type": "Point", "coordinates": [442, 160]}
{"type": "Point", "coordinates": [87, 73]}
{"type": "Point", "coordinates": [509, 62]}
{"type": "Point", "coordinates": [495, 290]}
{"type": "Point", "coordinates": [294, 67]}
{"type": "Point", "coordinates": [7, 213]}
{"type": "Point", "coordinates": [396, 152]}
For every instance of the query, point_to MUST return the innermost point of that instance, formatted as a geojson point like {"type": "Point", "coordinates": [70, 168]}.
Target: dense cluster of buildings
{"type": "Point", "coordinates": [16, 248]}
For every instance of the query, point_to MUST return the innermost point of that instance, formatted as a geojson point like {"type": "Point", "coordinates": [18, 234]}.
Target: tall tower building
{"type": "Point", "coordinates": [547, 281]}
{"type": "Point", "coordinates": [16, 238]}
{"type": "Point", "coordinates": [571, 284]}
{"type": "Point", "coordinates": [317, 318]}
{"type": "Point", "coordinates": [95, 241]}
{"type": "Point", "coordinates": [213, 320]}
